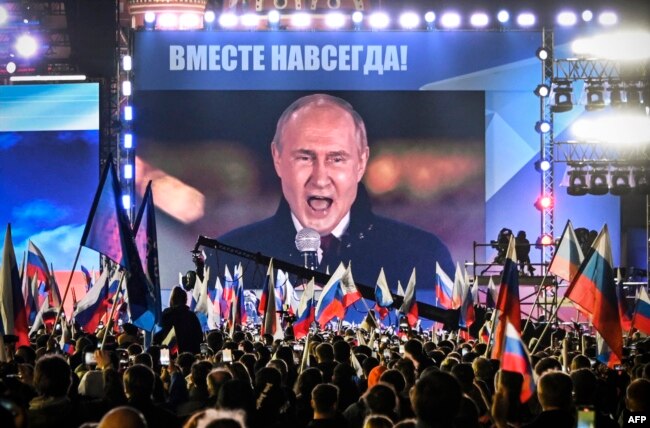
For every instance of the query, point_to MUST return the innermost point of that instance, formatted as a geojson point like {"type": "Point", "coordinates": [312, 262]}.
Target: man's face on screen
{"type": "Point", "coordinates": [320, 163]}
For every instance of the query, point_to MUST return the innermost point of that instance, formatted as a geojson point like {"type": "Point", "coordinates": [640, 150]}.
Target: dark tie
{"type": "Point", "coordinates": [328, 243]}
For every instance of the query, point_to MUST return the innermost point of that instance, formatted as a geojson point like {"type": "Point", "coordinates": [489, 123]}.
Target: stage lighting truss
{"type": "Point", "coordinates": [577, 185]}
{"type": "Point", "coordinates": [595, 96]}
{"type": "Point", "coordinates": [562, 97]}
{"type": "Point", "coordinates": [602, 178]}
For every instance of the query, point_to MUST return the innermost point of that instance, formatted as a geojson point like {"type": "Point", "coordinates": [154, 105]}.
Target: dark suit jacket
{"type": "Point", "coordinates": [370, 243]}
{"type": "Point", "coordinates": [189, 333]}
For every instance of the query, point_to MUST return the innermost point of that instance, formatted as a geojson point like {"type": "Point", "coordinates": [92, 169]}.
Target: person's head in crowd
{"type": "Point", "coordinates": [480, 348]}
{"type": "Point", "coordinates": [215, 340]}
{"type": "Point", "coordinates": [368, 364]}
{"type": "Point", "coordinates": [555, 391]}
{"type": "Point", "coordinates": [585, 386]}
{"type": "Point", "coordinates": [342, 351]}
{"type": "Point", "coordinates": [236, 395]}
{"type": "Point", "coordinates": [465, 375]}
{"type": "Point", "coordinates": [363, 350]}
{"type": "Point", "coordinates": [280, 366]}
{"type": "Point", "coordinates": [438, 356]}
{"type": "Point", "coordinates": [448, 363]}
{"type": "Point", "coordinates": [199, 375]}
{"type": "Point", "coordinates": [144, 359]}
{"type": "Point", "coordinates": [267, 339]}
{"type": "Point", "coordinates": [324, 400]}
{"type": "Point", "coordinates": [123, 417]}
{"type": "Point", "coordinates": [134, 349]}
{"type": "Point", "coordinates": [446, 346]}
{"type": "Point", "coordinates": [307, 381]}
{"type": "Point", "coordinates": [215, 379]}
{"type": "Point", "coordinates": [413, 349]}
{"type": "Point", "coordinates": [374, 374]}
{"type": "Point", "coordinates": [285, 353]}
{"type": "Point", "coordinates": [580, 362]}
{"type": "Point", "coordinates": [324, 353]}
{"type": "Point", "coordinates": [323, 129]}
{"type": "Point", "coordinates": [637, 396]}
{"type": "Point", "coordinates": [246, 346]}
{"type": "Point", "coordinates": [249, 361]}
{"type": "Point", "coordinates": [547, 364]}
{"type": "Point", "coordinates": [154, 351]}
{"type": "Point", "coordinates": [407, 368]}
{"type": "Point", "coordinates": [26, 373]}
{"type": "Point", "coordinates": [25, 355]}
{"type": "Point", "coordinates": [436, 398]}
{"type": "Point", "coordinates": [178, 297]}
{"type": "Point", "coordinates": [469, 357]}
{"type": "Point", "coordinates": [211, 418]}
{"type": "Point", "coordinates": [381, 399]}
{"type": "Point", "coordinates": [393, 377]}
{"type": "Point", "coordinates": [429, 370]}
{"type": "Point", "coordinates": [185, 361]}
{"type": "Point", "coordinates": [240, 372]}
{"type": "Point", "coordinates": [268, 384]}
{"type": "Point", "coordinates": [52, 376]}
{"type": "Point", "coordinates": [510, 383]}
{"type": "Point", "coordinates": [483, 369]}
{"type": "Point", "coordinates": [343, 374]}
{"type": "Point", "coordinates": [139, 382]}
{"type": "Point", "coordinates": [238, 337]}
{"type": "Point", "coordinates": [406, 423]}
{"type": "Point", "coordinates": [377, 421]}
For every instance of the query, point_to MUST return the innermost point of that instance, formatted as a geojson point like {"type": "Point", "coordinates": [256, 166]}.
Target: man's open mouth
{"type": "Point", "coordinates": [319, 203]}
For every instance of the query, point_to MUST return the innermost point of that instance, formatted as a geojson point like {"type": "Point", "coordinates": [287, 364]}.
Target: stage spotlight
{"type": "Point", "coordinates": [379, 20]}
{"type": "Point", "coordinates": [274, 19]}
{"type": "Point", "coordinates": [544, 202]}
{"type": "Point", "coordinates": [543, 241]}
{"type": "Point", "coordinates": [577, 183]}
{"type": "Point", "coordinates": [620, 182]}
{"type": "Point", "coordinates": [566, 19]}
{"type": "Point", "coordinates": [126, 202]}
{"type": "Point", "coordinates": [128, 113]}
{"type": "Point", "coordinates": [587, 15]}
{"type": "Point", "coordinates": [430, 19]}
{"type": "Point", "coordinates": [479, 19]}
{"type": "Point", "coordinates": [503, 16]}
{"type": "Point", "coordinates": [357, 19]}
{"type": "Point", "coordinates": [409, 20]}
{"type": "Point", "coordinates": [209, 17]}
{"type": "Point", "coordinates": [301, 20]}
{"type": "Point", "coordinates": [335, 20]}
{"type": "Point", "coordinates": [542, 90]}
{"type": "Point", "coordinates": [127, 63]}
{"type": "Point", "coordinates": [26, 45]}
{"type": "Point", "coordinates": [167, 21]}
{"type": "Point", "coordinates": [595, 96]}
{"type": "Point", "coordinates": [11, 67]}
{"type": "Point", "coordinates": [598, 183]}
{"type": "Point", "coordinates": [607, 18]}
{"type": "Point", "coordinates": [126, 88]}
{"type": "Point", "coordinates": [542, 53]}
{"type": "Point", "coordinates": [615, 95]}
{"type": "Point", "coordinates": [563, 101]}
{"type": "Point", "coordinates": [450, 20]}
{"type": "Point", "coordinates": [542, 165]}
{"type": "Point", "coordinates": [228, 20]}
{"type": "Point", "coordinates": [641, 182]}
{"type": "Point", "coordinates": [543, 127]}
{"type": "Point", "coordinates": [633, 96]}
{"type": "Point", "coordinates": [526, 19]}
{"type": "Point", "coordinates": [189, 21]}
{"type": "Point", "coordinates": [128, 171]}
{"type": "Point", "coordinates": [250, 20]}
{"type": "Point", "coordinates": [149, 20]}
{"type": "Point", "coordinates": [128, 140]}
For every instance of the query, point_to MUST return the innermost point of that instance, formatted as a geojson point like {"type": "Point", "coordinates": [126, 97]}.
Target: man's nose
{"type": "Point", "coordinates": [320, 174]}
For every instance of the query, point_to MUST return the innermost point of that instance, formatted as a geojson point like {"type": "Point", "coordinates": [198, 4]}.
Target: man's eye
{"type": "Point", "coordinates": [337, 159]}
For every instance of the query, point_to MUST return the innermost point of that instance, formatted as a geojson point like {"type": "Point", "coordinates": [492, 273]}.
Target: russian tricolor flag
{"type": "Point", "coordinates": [383, 298]}
{"type": "Point", "coordinates": [444, 288]}
{"type": "Point", "coordinates": [568, 256]}
{"type": "Point", "coordinates": [13, 315]}
{"type": "Point", "coordinates": [515, 359]}
{"type": "Point", "coordinates": [467, 315]}
{"type": "Point", "coordinates": [305, 313]}
{"type": "Point", "coordinates": [36, 264]}
{"type": "Point", "coordinates": [410, 305]}
{"type": "Point", "coordinates": [508, 299]}
{"type": "Point", "coordinates": [93, 306]}
{"type": "Point", "coordinates": [641, 318]}
{"type": "Point", "coordinates": [593, 289]}
{"type": "Point", "coordinates": [330, 304]}
{"type": "Point", "coordinates": [459, 286]}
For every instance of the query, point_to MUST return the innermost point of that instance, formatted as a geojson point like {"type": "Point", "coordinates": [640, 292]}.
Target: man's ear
{"type": "Point", "coordinates": [363, 162]}
{"type": "Point", "coordinates": [275, 153]}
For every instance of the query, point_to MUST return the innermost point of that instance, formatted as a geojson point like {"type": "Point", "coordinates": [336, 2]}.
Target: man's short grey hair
{"type": "Point", "coordinates": [321, 100]}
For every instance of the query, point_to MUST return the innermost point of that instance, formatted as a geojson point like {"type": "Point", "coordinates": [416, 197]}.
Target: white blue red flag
{"type": "Point", "coordinates": [444, 289]}
{"type": "Point", "coordinates": [410, 305]}
{"type": "Point", "coordinates": [305, 313]}
{"type": "Point", "coordinates": [508, 300]}
{"type": "Point", "coordinates": [568, 256]}
{"type": "Point", "coordinates": [459, 286]}
{"type": "Point", "coordinates": [593, 290]}
{"type": "Point", "coordinates": [271, 323]}
{"type": "Point", "coordinates": [330, 304]}
{"type": "Point", "coordinates": [94, 305]}
{"type": "Point", "coordinates": [13, 316]}
{"type": "Point", "coordinates": [641, 318]}
{"type": "Point", "coordinates": [383, 298]}
{"type": "Point", "coordinates": [515, 358]}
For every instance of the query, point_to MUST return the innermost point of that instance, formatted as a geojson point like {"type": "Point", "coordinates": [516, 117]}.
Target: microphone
{"type": "Point", "coordinates": [308, 243]}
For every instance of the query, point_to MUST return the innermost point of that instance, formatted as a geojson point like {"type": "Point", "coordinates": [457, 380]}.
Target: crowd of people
{"type": "Point", "coordinates": [336, 379]}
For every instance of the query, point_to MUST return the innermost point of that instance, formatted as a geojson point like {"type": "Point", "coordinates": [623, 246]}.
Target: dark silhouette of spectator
{"type": "Point", "coordinates": [414, 351]}
{"type": "Point", "coordinates": [324, 401]}
{"type": "Point", "coordinates": [216, 378]}
{"type": "Point", "coordinates": [377, 421]}
{"type": "Point", "coordinates": [522, 249]}
{"type": "Point", "coordinates": [123, 417]}
{"type": "Point", "coordinates": [307, 381]}
{"type": "Point", "coordinates": [325, 358]}
{"type": "Point", "coordinates": [344, 379]}
{"type": "Point", "coordinates": [436, 400]}
{"type": "Point", "coordinates": [139, 385]}
{"type": "Point", "coordinates": [189, 334]}
{"type": "Point", "coordinates": [637, 402]}
{"type": "Point", "coordinates": [237, 395]}
{"type": "Point", "coordinates": [465, 375]}
{"type": "Point", "coordinates": [52, 408]}
{"type": "Point", "coordinates": [585, 391]}
{"type": "Point", "coordinates": [381, 399]}
{"type": "Point", "coordinates": [555, 390]}
{"type": "Point", "coordinates": [198, 391]}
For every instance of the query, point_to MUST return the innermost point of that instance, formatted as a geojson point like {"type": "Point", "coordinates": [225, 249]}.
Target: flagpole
{"type": "Point", "coordinates": [550, 321]}
{"type": "Point", "coordinates": [490, 336]}
{"type": "Point", "coordinates": [109, 323]}
{"type": "Point", "coordinates": [67, 287]}
{"type": "Point", "coordinates": [305, 354]}
{"type": "Point", "coordinates": [535, 303]}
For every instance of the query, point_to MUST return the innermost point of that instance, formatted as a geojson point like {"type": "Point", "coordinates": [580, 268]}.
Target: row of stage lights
{"type": "Point", "coordinates": [274, 20]}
